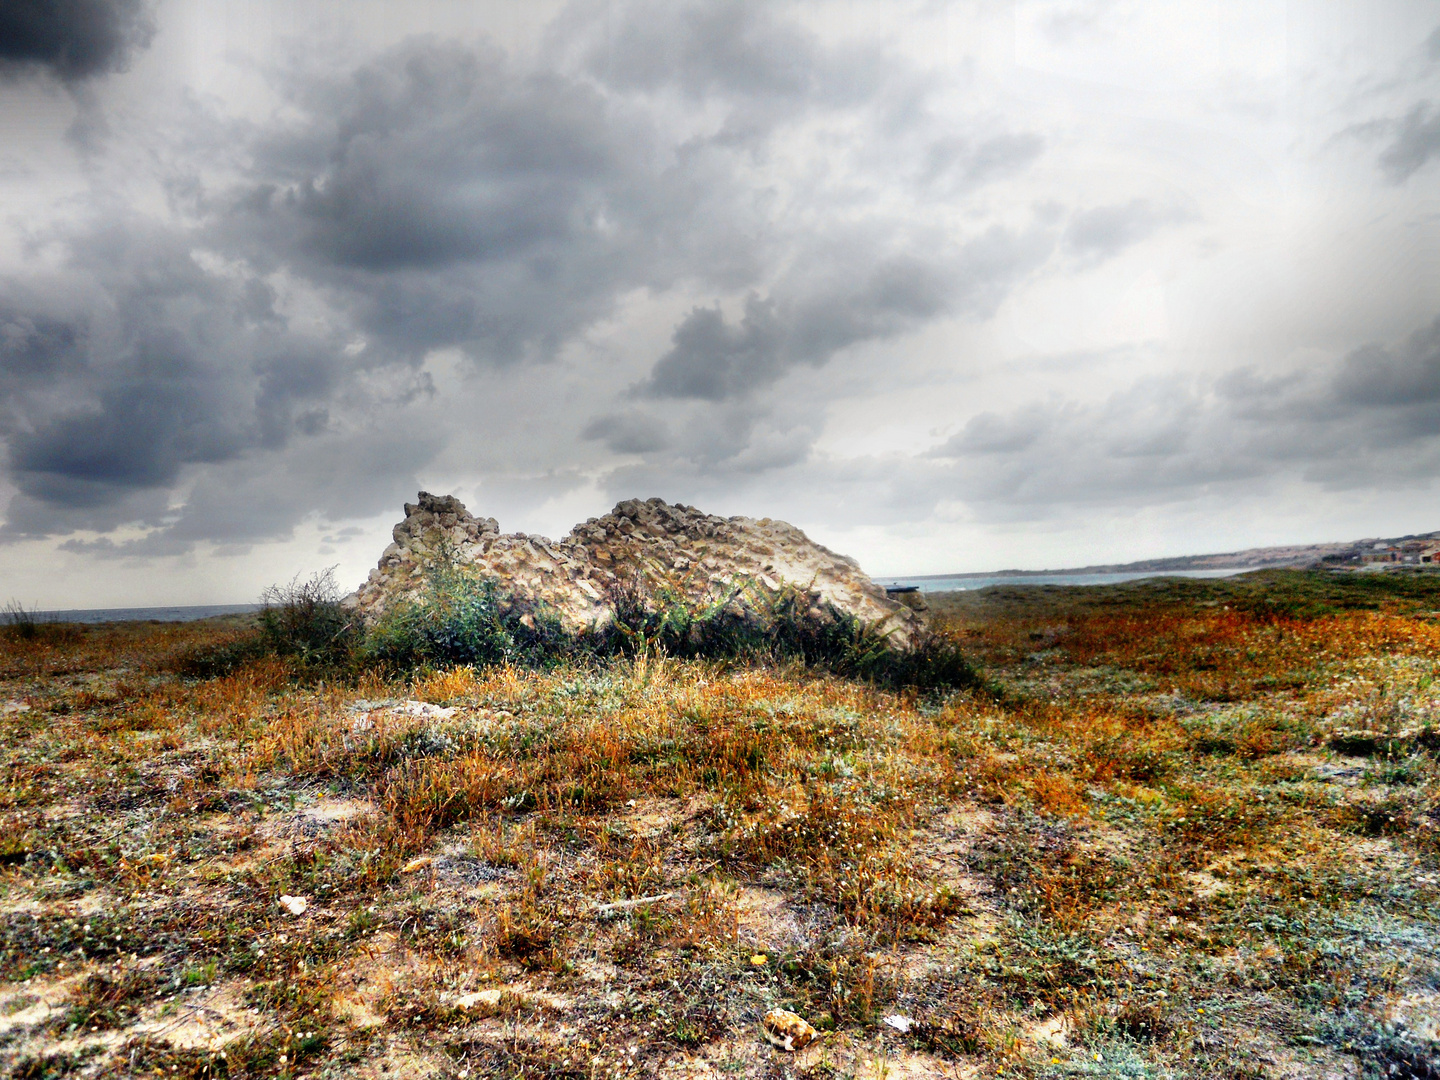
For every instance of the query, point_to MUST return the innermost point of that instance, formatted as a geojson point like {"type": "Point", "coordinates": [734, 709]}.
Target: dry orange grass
{"type": "Point", "coordinates": [650, 854]}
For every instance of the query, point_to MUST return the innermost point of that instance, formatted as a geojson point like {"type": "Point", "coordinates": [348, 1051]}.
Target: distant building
{"type": "Point", "coordinates": [1381, 553]}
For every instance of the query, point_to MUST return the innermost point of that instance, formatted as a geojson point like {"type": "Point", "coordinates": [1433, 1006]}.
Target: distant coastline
{"type": "Point", "coordinates": [179, 613]}
{"type": "Point", "coordinates": [1339, 554]}
{"type": "Point", "coordinates": [936, 583]}
{"type": "Point", "coordinates": [1081, 571]}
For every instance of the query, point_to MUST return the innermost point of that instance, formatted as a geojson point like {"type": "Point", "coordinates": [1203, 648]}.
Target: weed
{"type": "Point", "coordinates": [304, 620]}
{"type": "Point", "coordinates": [20, 621]}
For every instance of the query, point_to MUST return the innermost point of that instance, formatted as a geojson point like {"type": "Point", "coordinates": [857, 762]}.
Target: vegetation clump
{"type": "Point", "coordinates": [305, 620]}
{"type": "Point", "coordinates": [461, 617]}
{"type": "Point", "coordinates": [29, 625]}
{"type": "Point", "coordinates": [20, 621]}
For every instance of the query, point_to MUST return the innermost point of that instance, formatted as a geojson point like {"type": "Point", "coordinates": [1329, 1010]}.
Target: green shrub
{"type": "Point", "coordinates": [759, 624]}
{"type": "Point", "coordinates": [304, 620]}
{"type": "Point", "coordinates": [28, 624]}
{"type": "Point", "coordinates": [461, 618]}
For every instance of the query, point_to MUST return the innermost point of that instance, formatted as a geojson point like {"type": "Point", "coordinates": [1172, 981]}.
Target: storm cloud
{"type": "Point", "coordinates": [134, 363]}
{"type": "Point", "coordinates": [72, 39]}
{"type": "Point", "coordinates": [443, 196]}
{"type": "Point", "coordinates": [859, 297]}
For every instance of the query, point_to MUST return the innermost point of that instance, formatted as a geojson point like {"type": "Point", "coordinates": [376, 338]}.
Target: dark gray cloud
{"type": "Point", "coordinates": [858, 296]}
{"type": "Point", "coordinates": [36, 345]}
{"type": "Point", "coordinates": [1103, 232]}
{"type": "Point", "coordinates": [1398, 389]}
{"type": "Point", "coordinates": [631, 432]}
{"type": "Point", "coordinates": [1412, 139]}
{"type": "Point", "coordinates": [450, 201]}
{"type": "Point", "coordinates": [72, 39]}
{"type": "Point", "coordinates": [446, 198]}
{"type": "Point", "coordinates": [713, 360]}
{"type": "Point", "coordinates": [1416, 140]}
{"type": "Point", "coordinates": [136, 365]}
{"type": "Point", "coordinates": [262, 496]}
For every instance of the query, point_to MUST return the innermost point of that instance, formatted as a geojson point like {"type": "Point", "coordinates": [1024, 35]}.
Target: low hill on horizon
{"type": "Point", "coordinates": [1351, 553]}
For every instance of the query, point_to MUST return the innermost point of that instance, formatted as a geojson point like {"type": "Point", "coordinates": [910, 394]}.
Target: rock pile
{"type": "Point", "coordinates": [700, 556]}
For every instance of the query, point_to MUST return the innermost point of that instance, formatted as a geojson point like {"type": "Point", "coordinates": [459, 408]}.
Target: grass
{"type": "Point", "coordinates": [27, 624]}
{"type": "Point", "coordinates": [20, 621]}
{"type": "Point", "coordinates": [1179, 829]}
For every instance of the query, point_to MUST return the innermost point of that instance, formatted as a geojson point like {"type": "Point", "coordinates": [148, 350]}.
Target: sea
{"type": "Point", "coordinates": [967, 582]}
{"type": "Point", "coordinates": [186, 613]}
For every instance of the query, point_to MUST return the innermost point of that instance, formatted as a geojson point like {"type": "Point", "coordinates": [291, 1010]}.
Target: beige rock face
{"type": "Point", "coordinates": [787, 1030]}
{"type": "Point", "coordinates": [699, 555]}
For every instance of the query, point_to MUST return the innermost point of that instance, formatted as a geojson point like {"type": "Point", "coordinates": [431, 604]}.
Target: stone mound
{"type": "Point", "coordinates": [700, 556]}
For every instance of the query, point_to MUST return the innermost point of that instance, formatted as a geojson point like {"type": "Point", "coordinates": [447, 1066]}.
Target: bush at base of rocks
{"type": "Point", "coordinates": [463, 618]}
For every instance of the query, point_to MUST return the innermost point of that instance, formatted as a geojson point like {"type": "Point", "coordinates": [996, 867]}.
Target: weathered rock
{"type": "Point", "coordinates": [696, 555]}
{"type": "Point", "coordinates": [786, 1030]}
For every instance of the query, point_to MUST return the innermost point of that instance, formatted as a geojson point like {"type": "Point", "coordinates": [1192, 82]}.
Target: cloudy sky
{"type": "Point", "coordinates": [953, 286]}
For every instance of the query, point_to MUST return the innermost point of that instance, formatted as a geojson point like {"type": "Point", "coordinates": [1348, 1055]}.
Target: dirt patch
{"type": "Point", "coordinates": [1051, 1033]}
{"type": "Point", "coordinates": [326, 813]}
{"type": "Point", "coordinates": [654, 817]}
{"type": "Point", "coordinates": [205, 1019]}
{"type": "Point", "coordinates": [31, 1004]}
{"type": "Point", "coordinates": [766, 920]}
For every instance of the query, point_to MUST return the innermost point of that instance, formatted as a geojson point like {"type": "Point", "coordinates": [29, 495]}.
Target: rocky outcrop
{"type": "Point", "coordinates": [697, 555]}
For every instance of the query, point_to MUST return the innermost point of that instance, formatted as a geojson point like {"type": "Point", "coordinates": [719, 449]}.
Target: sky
{"type": "Point", "coordinates": [953, 286]}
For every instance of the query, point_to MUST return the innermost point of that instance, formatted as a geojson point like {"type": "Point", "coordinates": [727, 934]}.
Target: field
{"type": "Point", "coordinates": [1183, 829]}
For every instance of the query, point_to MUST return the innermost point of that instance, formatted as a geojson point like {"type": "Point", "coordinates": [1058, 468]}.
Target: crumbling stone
{"type": "Point", "coordinates": [696, 555]}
